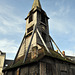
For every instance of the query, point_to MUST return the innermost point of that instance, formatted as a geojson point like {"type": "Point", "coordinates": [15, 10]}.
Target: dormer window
{"type": "Point", "coordinates": [43, 18]}
{"type": "Point", "coordinates": [30, 18]}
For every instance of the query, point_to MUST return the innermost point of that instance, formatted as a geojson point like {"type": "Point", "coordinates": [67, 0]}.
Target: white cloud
{"type": "Point", "coordinates": [58, 3]}
{"type": "Point", "coordinates": [9, 21]}
{"type": "Point", "coordinates": [8, 46]}
{"type": "Point", "coordinates": [72, 39]}
{"type": "Point", "coordinates": [70, 52]}
{"type": "Point", "coordinates": [57, 25]}
{"type": "Point", "coordinates": [2, 30]}
{"type": "Point", "coordinates": [61, 11]}
{"type": "Point", "coordinates": [57, 21]}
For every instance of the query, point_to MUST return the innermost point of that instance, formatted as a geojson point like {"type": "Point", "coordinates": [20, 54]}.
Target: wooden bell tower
{"type": "Point", "coordinates": [37, 30]}
{"type": "Point", "coordinates": [37, 17]}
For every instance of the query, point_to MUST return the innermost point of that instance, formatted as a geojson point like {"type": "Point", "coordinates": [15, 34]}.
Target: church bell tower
{"type": "Point", "coordinates": [38, 18]}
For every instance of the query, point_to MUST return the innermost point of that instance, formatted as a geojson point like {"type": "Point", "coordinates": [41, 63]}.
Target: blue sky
{"type": "Point", "coordinates": [61, 24]}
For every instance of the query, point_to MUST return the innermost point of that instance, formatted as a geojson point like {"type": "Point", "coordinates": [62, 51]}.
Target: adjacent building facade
{"type": "Point", "coordinates": [71, 57]}
{"type": "Point", "coordinates": [36, 55]}
{"type": "Point", "coordinates": [4, 62]}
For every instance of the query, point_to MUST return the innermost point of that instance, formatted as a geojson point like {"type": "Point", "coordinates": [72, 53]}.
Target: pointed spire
{"type": "Point", "coordinates": [36, 4]}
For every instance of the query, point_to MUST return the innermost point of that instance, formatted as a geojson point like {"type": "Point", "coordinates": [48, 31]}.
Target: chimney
{"type": "Point", "coordinates": [63, 52]}
{"type": "Point", "coordinates": [34, 52]}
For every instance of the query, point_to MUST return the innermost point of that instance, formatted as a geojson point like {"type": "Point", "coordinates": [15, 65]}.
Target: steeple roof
{"type": "Point", "coordinates": [36, 4]}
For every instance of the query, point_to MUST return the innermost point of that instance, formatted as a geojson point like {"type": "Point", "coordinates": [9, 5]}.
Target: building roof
{"type": "Point", "coordinates": [2, 53]}
{"type": "Point", "coordinates": [71, 57]}
{"type": "Point", "coordinates": [36, 4]}
{"type": "Point", "coordinates": [41, 54]}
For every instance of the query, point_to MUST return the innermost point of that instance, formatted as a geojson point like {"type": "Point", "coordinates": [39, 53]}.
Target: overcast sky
{"type": "Point", "coordinates": [61, 24]}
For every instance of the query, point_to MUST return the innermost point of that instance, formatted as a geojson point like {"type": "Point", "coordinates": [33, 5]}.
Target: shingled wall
{"type": "Point", "coordinates": [46, 66]}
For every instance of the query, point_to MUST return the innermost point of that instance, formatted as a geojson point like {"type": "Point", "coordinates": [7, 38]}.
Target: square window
{"type": "Point", "coordinates": [30, 29]}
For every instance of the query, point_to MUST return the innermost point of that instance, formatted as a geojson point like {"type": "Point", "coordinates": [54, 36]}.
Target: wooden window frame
{"type": "Point", "coordinates": [30, 29]}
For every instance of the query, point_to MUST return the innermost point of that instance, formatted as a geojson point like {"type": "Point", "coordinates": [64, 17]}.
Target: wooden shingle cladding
{"type": "Point", "coordinates": [42, 54]}
{"type": "Point", "coordinates": [45, 66]}
{"type": "Point", "coordinates": [49, 69]}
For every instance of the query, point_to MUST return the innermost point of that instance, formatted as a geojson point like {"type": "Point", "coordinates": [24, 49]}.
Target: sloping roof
{"type": "Point", "coordinates": [36, 4]}
{"type": "Point", "coordinates": [8, 62]}
{"type": "Point", "coordinates": [71, 57]}
{"type": "Point", "coordinates": [2, 53]}
{"type": "Point", "coordinates": [41, 54]}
